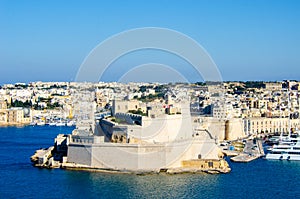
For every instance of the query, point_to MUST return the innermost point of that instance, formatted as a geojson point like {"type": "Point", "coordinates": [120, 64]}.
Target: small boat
{"type": "Point", "coordinates": [41, 123]}
{"type": "Point", "coordinates": [52, 124]}
{"type": "Point", "coordinates": [71, 123]}
{"type": "Point", "coordinates": [60, 124]}
{"type": "Point", "coordinates": [32, 123]}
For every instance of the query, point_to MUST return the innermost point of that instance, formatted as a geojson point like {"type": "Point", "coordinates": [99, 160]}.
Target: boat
{"type": "Point", "coordinates": [60, 123]}
{"type": "Point", "coordinates": [71, 123]}
{"type": "Point", "coordinates": [286, 147]}
{"type": "Point", "coordinates": [52, 123]}
{"type": "Point", "coordinates": [32, 123]}
{"type": "Point", "coordinates": [40, 123]}
{"type": "Point", "coordinates": [285, 152]}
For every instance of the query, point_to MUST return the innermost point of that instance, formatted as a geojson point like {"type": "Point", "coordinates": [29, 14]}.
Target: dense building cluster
{"type": "Point", "coordinates": [246, 107]}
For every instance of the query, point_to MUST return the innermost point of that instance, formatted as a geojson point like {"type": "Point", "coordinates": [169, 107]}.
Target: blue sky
{"type": "Point", "coordinates": [248, 40]}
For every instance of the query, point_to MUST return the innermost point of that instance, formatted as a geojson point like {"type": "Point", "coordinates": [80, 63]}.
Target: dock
{"type": "Point", "coordinates": [244, 158]}
{"type": "Point", "coordinates": [230, 153]}
{"type": "Point", "coordinates": [250, 152]}
{"type": "Point", "coordinates": [260, 147]}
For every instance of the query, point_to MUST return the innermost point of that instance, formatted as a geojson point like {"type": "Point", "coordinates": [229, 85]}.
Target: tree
{"type": "Point", "coordinates": [17, 103]}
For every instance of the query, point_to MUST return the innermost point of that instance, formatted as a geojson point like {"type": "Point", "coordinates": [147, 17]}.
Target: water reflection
{"type": "Point", "coordinates": [146, 186]}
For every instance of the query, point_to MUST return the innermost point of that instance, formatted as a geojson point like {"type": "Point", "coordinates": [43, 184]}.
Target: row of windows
{"type": "Point", "coordinates": [265, 129]}
{"type": "Point", "coordinates": [291, 153]}
{"type": "Point", "coordinates": [266, 122]}
{"type": "Point", "coordinates": [275, 123]}
{"type": "Point", "coordinates": [294, 153]}
{"type": "Point", "coordinates": [82, 140]}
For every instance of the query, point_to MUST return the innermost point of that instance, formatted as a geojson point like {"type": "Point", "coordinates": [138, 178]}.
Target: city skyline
{"type": "Point", "coordinates": [48, 41]}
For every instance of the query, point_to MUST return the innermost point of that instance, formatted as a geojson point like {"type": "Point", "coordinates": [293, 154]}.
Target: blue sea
{"type": "Point", "coordinates": [19, 179]}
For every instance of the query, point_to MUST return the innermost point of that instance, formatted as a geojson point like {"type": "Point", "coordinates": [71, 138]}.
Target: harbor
{"type": "Point", "coordinates": [17, 170]}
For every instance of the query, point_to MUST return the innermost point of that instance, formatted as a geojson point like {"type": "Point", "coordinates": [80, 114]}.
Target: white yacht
{"type": "Point", "coordinates": [285, 151]}
{"type": "Point", "coordinates": [60, 123]}
{"type": "Point", "coordinates": [52, 124]}
{"type": "Point", "coordinates": [288, 148]}
{"type": "Point", "coordinates": [71, 123]}
{"type": "Point", "coordinates": [32, 123]}
{"type": "Point", "coordinates": [40, 123]}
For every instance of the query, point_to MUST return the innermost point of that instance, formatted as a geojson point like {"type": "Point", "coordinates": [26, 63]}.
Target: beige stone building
{"type": "Point", "coordinates": [223, 129]}
{"type": "Point", "coordinates": [270, 125]}
{"type": "Point", "coordinates": [3, 104]}
{"type": "Point", "coordinates": [120, 106]}
{"type": "Point", "coordinates": [273, 86]}
{"type": "Point", "coordinates": [3, 116]}
{"type": "Point", "coordinates": [14, 116]}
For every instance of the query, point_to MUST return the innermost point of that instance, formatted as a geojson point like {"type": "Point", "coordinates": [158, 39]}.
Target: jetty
{"type": "Point", "coordinates": [244, 158]}
{"type": "Point", "coordinates": [253, 150]}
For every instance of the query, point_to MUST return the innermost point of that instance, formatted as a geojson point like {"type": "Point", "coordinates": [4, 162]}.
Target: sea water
{"type": "Point", "coordinates": [19, 179]}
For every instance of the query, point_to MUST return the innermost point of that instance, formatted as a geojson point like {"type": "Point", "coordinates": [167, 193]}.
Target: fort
{"type": "Point", "coordinates": [158, 142]}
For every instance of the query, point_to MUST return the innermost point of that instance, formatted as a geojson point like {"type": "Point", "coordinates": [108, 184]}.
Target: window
{"type": "Point", "coordinates": [276, 152]}
{"type": "Point", "coordinates": [294, 153]}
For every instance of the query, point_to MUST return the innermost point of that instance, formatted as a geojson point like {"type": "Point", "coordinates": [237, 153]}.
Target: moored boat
{"type": "Point", "coordinates": [285, 152]}
{"type": "Point", "coordinates": [61, 124]}
{"type": "Point", "coordinates": [71, 123]}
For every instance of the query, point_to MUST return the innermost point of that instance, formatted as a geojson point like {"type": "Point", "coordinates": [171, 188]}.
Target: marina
{"type": "Point", "coordinates": [54, 123]}
{"type": "Point", "coordinates": [287, 148]}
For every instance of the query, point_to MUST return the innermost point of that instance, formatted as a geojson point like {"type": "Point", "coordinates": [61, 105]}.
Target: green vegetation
{"type": "Point", "coordinates": [151, 97]}
{"type": "Point", "coordinates": [144, 88]}
{"type": "Point", "coordinates": [138, 112]}
{"type": "Point", "coordinates": [56, 94]}
{"type": "Point", "coordinates": [17, 103]}
{"type": "Point", "coordinates": [21, 86]}
{"type": "Point", "coordinates": [117, 120]}
{"type": "Point", "coordinates": [240, 88]}
{"type": "Point", "coordinates": [239, 146]}
{"type": "Point", "coordinates": [50, 105]}
{"type": "Point", "coordinates": [53, 106]}
{"type": "Point", "coordinates": [159, 88]}
{"type": "Point", "coordinates": [159, 93]}
{"type": "Point", "coordinates": [55, 86]}
{"type": "Point", "coordinates": [254, 84]}
{"type": "Point", "coordinates": [200, 83]}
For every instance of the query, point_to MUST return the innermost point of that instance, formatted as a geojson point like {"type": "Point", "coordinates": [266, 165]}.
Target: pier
{"type": "Point", "coordinates": [252, 151]}
{"type": "Point", "coordinates": [244, 158]}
